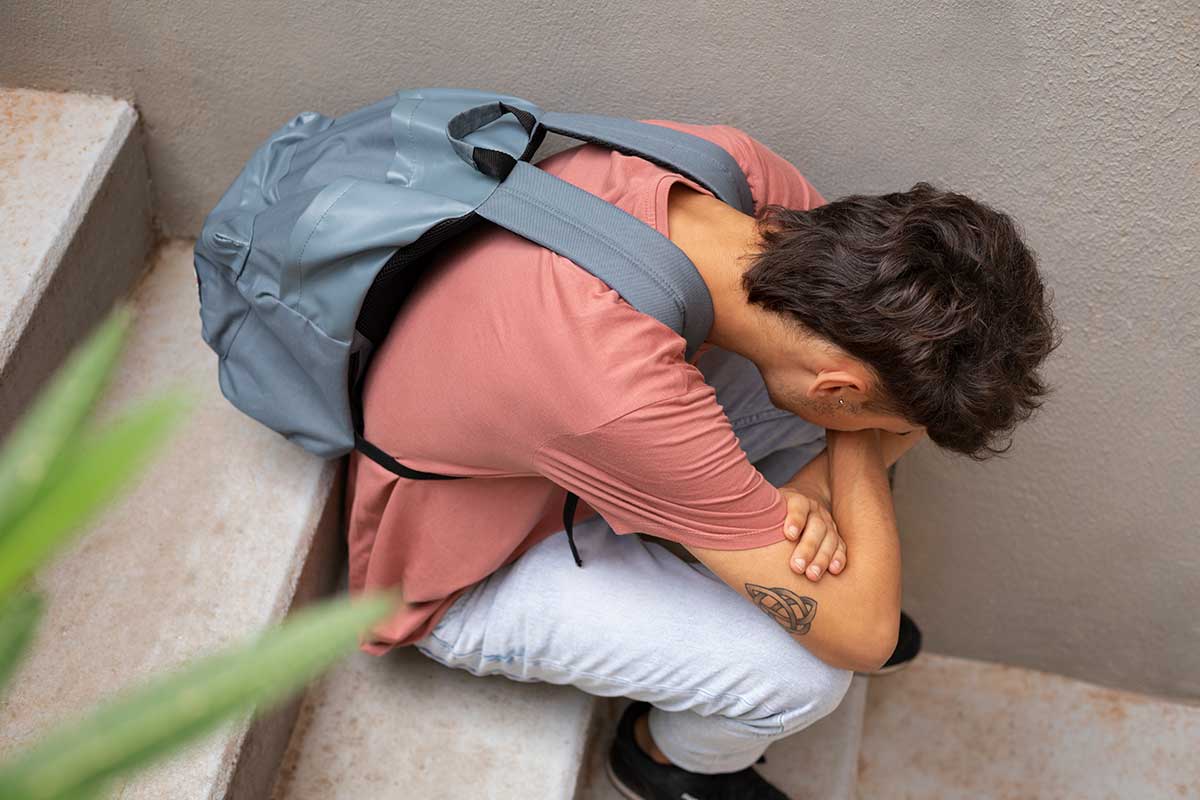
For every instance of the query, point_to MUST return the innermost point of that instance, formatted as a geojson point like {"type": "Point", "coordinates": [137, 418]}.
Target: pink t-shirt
{"type": "Point", "coordinates": [512, 364]}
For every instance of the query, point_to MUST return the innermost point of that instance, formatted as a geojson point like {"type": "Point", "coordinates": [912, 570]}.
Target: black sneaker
{"type": "Point", "coordinates": [908, 644]}
{"type": "Point", "coordinates": [639, 777]}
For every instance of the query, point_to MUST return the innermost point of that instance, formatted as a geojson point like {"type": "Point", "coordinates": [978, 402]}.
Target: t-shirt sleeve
{"type": "Point", "coordinates": [672, 468]}
{"type": "Point", "coordinates": [773, 179]}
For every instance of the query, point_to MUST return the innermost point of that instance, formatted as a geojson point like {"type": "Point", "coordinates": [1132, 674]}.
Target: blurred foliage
{"type": "Point", "coordinates": [56, 476]}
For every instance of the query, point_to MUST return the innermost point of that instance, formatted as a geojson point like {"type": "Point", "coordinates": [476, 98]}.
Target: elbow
{"type": "Point", "coordinates": [871, 647]}
{"type": "Point", "coordinates": [881, 643]}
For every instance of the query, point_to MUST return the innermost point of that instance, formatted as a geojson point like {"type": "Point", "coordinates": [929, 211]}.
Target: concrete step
{"type": "Point", "coordinates": [960, 729]}
{"type": "Point", "coordinates": [75, 227]}
{"type": "Point", "coordinates": [820, 761]}
{"type": "Point", "coordinates": [403, 726]}
{"type": "Point", "coordinates": [229, 529]}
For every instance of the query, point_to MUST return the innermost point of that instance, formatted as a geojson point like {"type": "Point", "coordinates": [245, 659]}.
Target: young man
{"type": "Point", "coordinates": [843, 333]}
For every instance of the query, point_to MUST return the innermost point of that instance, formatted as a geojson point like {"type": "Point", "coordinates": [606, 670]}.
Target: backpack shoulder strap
{"type": "Point", "coordinates": [706, 163]}
{"type": "Point", "coordinates": [646, 268]}
{"type": "Point", "coordinates": [643, 266]}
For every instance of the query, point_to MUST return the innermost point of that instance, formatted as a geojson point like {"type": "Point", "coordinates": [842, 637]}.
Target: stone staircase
{"type": "Point", "coordinates": [231, 527]}
{"type": "Point", "coordinates": [234, 526]}
{"type": "Point", "coordinates": [74, 227]}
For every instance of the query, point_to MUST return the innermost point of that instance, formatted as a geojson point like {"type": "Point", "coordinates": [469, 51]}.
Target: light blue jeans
{"type": "Point", "coordinates": [725, 681]}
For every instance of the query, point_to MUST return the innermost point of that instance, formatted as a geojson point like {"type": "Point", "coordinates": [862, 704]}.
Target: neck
{"type": "Point", "coordinates": [719, 239]}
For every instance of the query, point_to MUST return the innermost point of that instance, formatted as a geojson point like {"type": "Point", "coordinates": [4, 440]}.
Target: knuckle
{"type": "Point", "coordinates": [806, 549]}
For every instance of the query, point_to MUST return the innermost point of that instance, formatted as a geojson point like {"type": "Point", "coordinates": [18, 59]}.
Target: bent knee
{"type": "Point", "coordinates": [827, 690]}
{"type": "Point", "coordinates": [794, 699]}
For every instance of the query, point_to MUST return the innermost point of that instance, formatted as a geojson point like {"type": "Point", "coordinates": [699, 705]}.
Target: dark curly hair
{"type": "Point", "coordinates": [933, 291]}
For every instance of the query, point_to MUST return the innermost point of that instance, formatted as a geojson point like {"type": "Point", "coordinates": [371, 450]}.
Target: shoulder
{"type": "Point", "coordinates": [772, 178]}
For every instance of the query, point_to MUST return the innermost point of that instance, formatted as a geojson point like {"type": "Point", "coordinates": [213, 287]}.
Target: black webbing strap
{"type": "Point", "coordinates": [494, 163]}
{"type": "Point", "coordinates": [395, 467]}
{"type": "Point", "coordinates": [377, 454]}
{"type": "Point", "coordinates": [569, 506]}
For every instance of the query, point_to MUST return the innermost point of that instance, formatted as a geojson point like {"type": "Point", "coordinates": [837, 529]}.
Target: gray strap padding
{"type": "Point", "coordinates": [699, 159]}
{"type": "Point", "coordinates": [646, 268]}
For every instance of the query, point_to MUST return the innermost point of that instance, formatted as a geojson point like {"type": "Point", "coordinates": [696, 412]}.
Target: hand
{"type": "Point", "coordinates": [810, 522]}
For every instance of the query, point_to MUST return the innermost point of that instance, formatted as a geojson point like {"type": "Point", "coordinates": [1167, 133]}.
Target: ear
{"type": "Point", "coordinates": [830, 382]}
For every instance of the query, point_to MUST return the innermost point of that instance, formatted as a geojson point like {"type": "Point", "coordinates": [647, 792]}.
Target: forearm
{"type": "Point", "coordinates": [862, 509]}
{"type": "Point", "coordinates": [814, 476]}
{"type": "Point", "coordinates": [851, 477]}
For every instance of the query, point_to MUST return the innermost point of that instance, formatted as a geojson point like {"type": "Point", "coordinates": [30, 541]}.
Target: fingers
{"type": "Point", "coordinates": [799, 508]}
{"type": "Point", "coordinates": [819, 548]}
{"type": "Point", "coordinates": [820, 561]}
{"type": "Point", "coordinates": [838, 562]}
{"type": "Point", "coordinates": [810, 542]}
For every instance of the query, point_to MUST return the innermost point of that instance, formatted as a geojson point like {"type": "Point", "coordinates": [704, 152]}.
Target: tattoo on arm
{"type": "Point", "coordinates": [794, 612]}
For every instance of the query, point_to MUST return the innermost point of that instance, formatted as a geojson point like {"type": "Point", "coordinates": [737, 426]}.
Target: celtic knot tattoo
{"type": "Point", "coordinates": [794, 612]}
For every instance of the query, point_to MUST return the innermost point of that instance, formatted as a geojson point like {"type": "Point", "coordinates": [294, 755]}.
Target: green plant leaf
{"type": "Point", "coordinates": [99, 468]}
{"type": "Point", "coordinates": [90, 792]}
{"type": "Point", "coordinates": [34, 446]}
{"type": "Point", "coordinates": [132, 730]}
{"type": "Point", "coordinates": [18, 618]}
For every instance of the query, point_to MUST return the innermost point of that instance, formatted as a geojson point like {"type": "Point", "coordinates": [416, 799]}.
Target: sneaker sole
{"type": "Point", "coordinates": [887, 670]}
{"type": "Point", "coordinates": [617, 784]}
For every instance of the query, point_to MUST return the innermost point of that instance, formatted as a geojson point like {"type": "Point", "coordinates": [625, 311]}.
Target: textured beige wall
{"type": "Point", "coordinates": [1080, 552]}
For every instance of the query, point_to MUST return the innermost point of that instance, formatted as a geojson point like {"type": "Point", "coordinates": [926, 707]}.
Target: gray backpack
{"type": "Point", "coordinates": [306, 259]}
